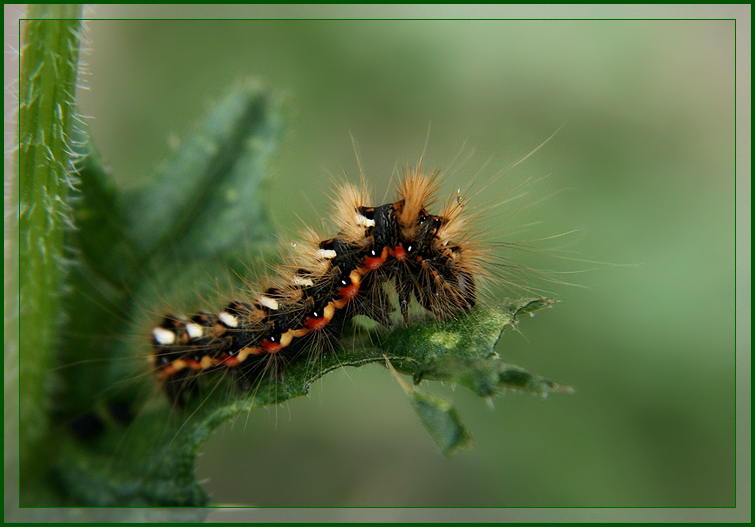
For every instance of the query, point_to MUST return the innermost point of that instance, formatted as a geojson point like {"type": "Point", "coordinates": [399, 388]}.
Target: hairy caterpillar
{"type": "Point", "coordinates": [326, 282]}
{"type": "Point", "coordinates": [272, 342]}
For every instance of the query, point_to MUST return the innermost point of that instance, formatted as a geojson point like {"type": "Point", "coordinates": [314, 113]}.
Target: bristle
{"type": "Point", "coordinates": [324, 282]}
{"type": "Point", "coordinates": [346, 216]}
{"type": "Point", "coordinates": [454, 227]}
{"type": "Point", "coordinates": [416, 192]}
{"type": "Point", "coordinates": [304, 254]}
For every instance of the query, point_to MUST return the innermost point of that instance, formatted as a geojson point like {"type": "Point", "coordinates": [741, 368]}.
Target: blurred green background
{"type": "Point", "coordinates": [646, 154]}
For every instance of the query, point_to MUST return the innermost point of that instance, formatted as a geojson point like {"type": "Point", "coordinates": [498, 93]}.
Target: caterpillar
{"type": "Point", "coordinates": [325, 282]}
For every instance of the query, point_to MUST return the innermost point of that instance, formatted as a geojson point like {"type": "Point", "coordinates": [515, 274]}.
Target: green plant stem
{"type": "Point", "coordinates": [47, 86]}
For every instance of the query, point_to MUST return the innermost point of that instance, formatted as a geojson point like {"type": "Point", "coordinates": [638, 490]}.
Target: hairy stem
{"type": "Point", "coordinates": [47, 86]}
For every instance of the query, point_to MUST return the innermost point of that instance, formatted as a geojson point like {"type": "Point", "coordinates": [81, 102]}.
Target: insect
{"type": "Point", "coordinates": [326, 281]}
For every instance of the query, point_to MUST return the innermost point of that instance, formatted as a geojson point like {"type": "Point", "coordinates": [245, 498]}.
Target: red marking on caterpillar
{"type": "Point", "coordinates": [399, 253]}
{"type": "Point", "coordinates": [431, 259]}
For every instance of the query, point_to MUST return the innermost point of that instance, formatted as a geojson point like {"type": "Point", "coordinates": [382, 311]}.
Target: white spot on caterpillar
{"type": "Point", "coordinates": [298, 280]}
{"type": "Point", "coordinates": [364, 221]}
{"type": "Point", "coordinates": [228, 319]}
{"type": "Point", "coordinates": [163, 336]}
{"type": "Point", "coordinates": [194, 330]}
{"type": "Point", "coordinates": [326, 254]}
{"type": "Point", "coordinates": [268, 302]}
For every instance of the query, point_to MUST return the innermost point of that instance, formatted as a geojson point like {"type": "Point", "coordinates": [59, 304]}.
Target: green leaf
{"type": "Point", "coordinates": [156, 467]}
{"type": "Point", "coordinates": [208, 196]}
{"type": "Point", "coordinates": [101, 236]}
{"type": "Point", "coordinates": [442, 421]}
{"type": "Point", "coordinates": [439, 417]}
{"type": "Point", "coordinates": [464, 358]}
{"type": "Point", "coordinates": [49, 60]}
